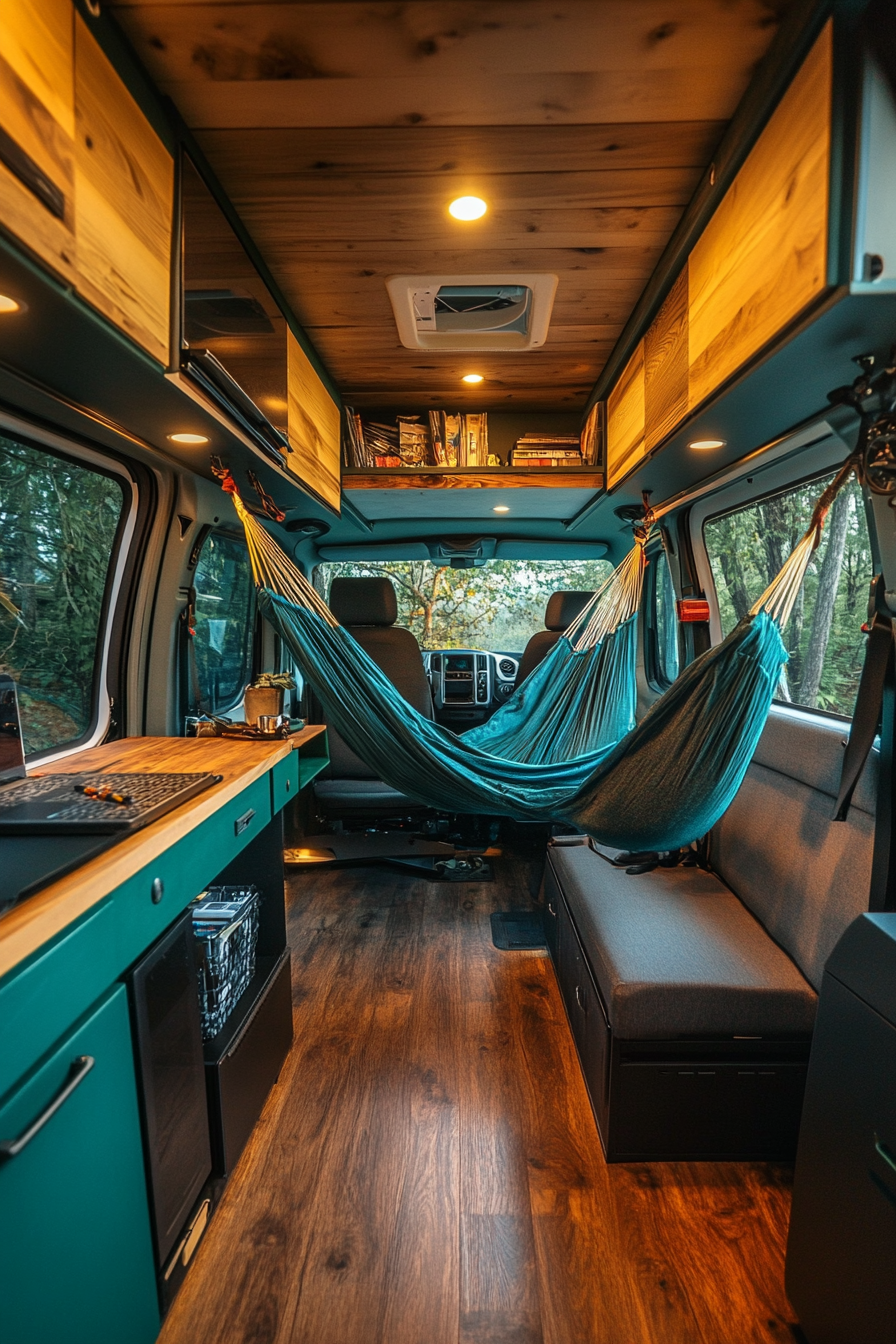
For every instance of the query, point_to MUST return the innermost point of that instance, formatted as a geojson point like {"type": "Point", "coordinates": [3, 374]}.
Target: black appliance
{"type": "Point", "coordinates": [841, 1253]}
{"type": "Point", "coordinates": [171, 1077]}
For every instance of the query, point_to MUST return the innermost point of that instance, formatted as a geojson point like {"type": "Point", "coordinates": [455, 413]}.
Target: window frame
{"type": "Point", "coordinates": [654, 673]}
{"type": "Point", "coordinates": [819, 460]}
{"type": "Point", "coordinates": [108, 632]}
{"type": "Point", "coordinates": [254, 622]}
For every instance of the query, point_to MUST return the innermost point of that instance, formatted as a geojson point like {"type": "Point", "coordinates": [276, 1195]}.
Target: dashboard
{"type": "Point", "coordinates": [469, 684]}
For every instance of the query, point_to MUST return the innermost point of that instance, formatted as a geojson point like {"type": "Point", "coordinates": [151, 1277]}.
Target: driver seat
{"type": "Point", "coordinates": [368, 609]}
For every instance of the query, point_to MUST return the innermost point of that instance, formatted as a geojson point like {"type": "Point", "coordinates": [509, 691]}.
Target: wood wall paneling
{"type": "Point", "coordinates": [341, 132]}
{"type": "Point", "coordinates": [37, 112]}
{"type": "Point", "coordinates": [763, 256]}
{"type": "Point", "coordinates": [270, 158]}
{"type": "Point", "coordinates": [625, 420]}
{"type": "Point", "coordinates": [666, 366]}
{"type": "Point", "coordinates": [125, 198]}
{"type": "Point", "coordinates": [314, 428]}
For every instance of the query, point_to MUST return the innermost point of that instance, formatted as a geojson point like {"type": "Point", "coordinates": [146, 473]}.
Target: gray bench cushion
{"type": "Point", "coordinates": [676, 954]}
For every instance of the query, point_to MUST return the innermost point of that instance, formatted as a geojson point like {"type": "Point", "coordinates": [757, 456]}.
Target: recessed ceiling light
{"type": "Point", "coordinates": [501, 508]}
{"type": "Point", "coordinates": [472, 378]}
{"type": "Point", "coordinates": [8, 305]}
{"type": "Point", "coordinates": [188, 438]}
{"type": "Point", "coordinates": [701, 444]}
{"type": "Point", "coordinates": [467, 207]}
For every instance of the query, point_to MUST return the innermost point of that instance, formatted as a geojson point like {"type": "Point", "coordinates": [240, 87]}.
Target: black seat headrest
{"type": "Point", "coordinates": [564, 607]}
{"type": "Point", "coordinates": [363, 601]}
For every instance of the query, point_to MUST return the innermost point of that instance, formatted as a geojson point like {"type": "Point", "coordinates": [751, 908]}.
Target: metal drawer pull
{"type": "Point", "coordinates": [551, 910]}
{"type": "Point", "coordinates": [579, 999]}
{"type": "Point", "coordinates": [80, 1067]}
{"type": "Point", "coordinates": [883, 1151]}
{"type": "Point", "coordinates": [242, 823]}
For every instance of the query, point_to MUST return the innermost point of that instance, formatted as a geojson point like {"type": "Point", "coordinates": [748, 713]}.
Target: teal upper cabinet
{"type": "Point", "coordinates": [76, 1260]}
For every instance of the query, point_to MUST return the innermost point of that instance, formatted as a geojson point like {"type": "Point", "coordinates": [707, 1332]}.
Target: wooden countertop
{"type": "Point", "coordinates": [41, 917]}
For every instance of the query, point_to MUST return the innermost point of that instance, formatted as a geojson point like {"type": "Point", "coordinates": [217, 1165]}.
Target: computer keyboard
{"type": "Point", "coordinates": [148, 796]}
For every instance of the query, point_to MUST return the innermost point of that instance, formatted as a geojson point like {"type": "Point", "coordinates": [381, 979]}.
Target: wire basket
{"type": "Point", "coordinates": [225, 924]}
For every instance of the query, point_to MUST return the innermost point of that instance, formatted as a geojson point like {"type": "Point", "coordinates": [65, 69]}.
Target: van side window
{"type": "Point", "coordinates": [665, 623]}
{"type": "Point", "coordinates": [225, 623]}
{"type": "Point", "coordinates": [746, 549]}
{"type": "Point", "coordinates": [59, 528]}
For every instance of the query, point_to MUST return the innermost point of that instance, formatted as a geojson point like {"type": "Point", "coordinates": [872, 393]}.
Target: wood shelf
{"type": "Point", "coordinates": [470, 478]}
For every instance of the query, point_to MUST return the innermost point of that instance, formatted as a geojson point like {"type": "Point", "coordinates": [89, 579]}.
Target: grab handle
{"type": "Point", "coordinates": [80, 1067]}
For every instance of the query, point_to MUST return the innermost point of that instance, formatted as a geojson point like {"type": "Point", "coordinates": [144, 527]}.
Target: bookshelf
{"type": "Point", "coordinates": [399, 449]}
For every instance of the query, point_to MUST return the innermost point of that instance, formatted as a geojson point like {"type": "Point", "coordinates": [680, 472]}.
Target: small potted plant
{"type": "Point", "coordinates": [265, 695]}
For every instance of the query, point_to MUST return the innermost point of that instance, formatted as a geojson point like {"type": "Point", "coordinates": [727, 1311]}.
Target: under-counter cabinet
{"type": "Point", "coordinates": [76, 1260]}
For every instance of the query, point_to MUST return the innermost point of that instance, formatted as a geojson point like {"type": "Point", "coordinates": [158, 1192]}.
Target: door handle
{"type": "Point", "coordinates": [80, 1067]}
{"type": "Point", "coordinates": [579, 999]}
{"type": "Point", "coordinates": [551, 910]}
{"type": "Point", "coordinates": [244, 822]}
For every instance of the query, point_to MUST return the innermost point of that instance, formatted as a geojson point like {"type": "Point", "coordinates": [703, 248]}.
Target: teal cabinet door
{"type": "Point", "coordinates": [76, 1261]}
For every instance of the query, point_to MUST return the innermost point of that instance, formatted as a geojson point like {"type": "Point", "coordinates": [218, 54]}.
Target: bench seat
{"type": "Point", "coordinates": [676, 954]}
{"type": "Point", "coordinates": [691, 994]}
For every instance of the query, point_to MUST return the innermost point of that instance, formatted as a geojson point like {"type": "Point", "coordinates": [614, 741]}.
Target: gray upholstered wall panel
{"type": "Point", "coordinates": [810, 750]}
{"type": "Point", "coordinates": [804, 876]}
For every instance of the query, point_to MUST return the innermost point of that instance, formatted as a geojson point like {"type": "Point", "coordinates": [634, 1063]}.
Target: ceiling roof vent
{"type": "Point", "coordinates": [472, 312]}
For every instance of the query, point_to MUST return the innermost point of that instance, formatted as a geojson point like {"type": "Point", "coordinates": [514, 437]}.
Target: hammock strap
{"type": "Point", "coordinates": [782, 592]}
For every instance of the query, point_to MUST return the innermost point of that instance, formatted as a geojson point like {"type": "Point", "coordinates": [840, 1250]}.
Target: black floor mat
{"type": "Point", "coordinates": [518, 930]}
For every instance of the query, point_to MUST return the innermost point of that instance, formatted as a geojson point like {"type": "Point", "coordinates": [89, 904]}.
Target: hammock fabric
{"type": "Point", "coordinates": [664, 784]}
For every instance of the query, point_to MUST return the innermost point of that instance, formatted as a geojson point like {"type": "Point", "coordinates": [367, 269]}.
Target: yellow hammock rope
{"type": "Point", "coordinates": [614, 602]}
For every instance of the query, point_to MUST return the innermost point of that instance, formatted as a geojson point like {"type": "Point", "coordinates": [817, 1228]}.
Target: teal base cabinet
{"type": "Point", "coordinates": [76, 1260]}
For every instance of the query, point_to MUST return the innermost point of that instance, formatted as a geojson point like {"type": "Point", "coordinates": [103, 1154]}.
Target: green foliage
{"type": "Point", "coordinates": [823, 637]}
{"type": "Point", "coordinates": [58, 522]}
{"type": "Point", "coordinates": [495, 607]}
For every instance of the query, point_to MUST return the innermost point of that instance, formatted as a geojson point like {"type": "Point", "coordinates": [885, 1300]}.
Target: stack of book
{"type": "Point", "coordinates": [449, 440]}
{"type": "Point", "coordinates": [547, 450]}
{"type": "Point", "coordinates": [458, 440]}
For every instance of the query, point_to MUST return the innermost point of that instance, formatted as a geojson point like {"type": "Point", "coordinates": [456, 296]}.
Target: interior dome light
{"type": "Point", "coordinates": [188, 438]}
{"type": "Point", "coordinates": [8, 305]}
{"type": "Point", "coordinates": [467, 207]}
{"type": "Point", "coordinates": [472, 378]}
{"type": "Point", "coordinates": [702, 444]}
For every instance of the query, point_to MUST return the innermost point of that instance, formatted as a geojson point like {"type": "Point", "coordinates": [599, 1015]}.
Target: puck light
{"type": "Point", "coordinates": [188, 438]}
{"type": "Point", "coordinates": [501, 508]}
{"type": "Point", "coordinates": [472, 378]}
{"type": "Point", "coordinates": [702, 444]}
{"type": "Point", "coordinates": [467, 208]}
{"type": "Point", "coordinates": [9, 305]}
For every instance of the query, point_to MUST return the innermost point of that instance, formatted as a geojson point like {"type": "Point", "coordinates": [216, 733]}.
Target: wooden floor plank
{"type": "Point", "coordinates": [427, 1169]}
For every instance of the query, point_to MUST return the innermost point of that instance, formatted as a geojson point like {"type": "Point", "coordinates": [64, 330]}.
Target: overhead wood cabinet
{"type": "Point", "coordinates": [85, 183]}
{"type": "Point", "coordinates": [37, 128]}
{"type": "Point", "coordinates": [760, 264]}
{"type": "Point", "coordinates": [124, 196]}
{"type": "Point", "coordinates": [314, 428]}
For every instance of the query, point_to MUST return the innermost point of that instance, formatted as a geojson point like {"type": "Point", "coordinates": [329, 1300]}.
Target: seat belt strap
{"type": "Point", "coordinates": [866, 717]}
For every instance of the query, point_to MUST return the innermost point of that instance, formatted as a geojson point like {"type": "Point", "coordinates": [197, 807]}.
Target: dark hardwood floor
{"type": "Point", "coordinates": [427, 1169]}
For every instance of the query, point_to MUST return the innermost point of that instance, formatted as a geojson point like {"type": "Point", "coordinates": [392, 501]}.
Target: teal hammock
{"type": "Point", "coordinates": [659, 787]}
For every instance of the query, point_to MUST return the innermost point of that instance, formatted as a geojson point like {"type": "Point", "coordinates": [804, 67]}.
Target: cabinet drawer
{"type": "Point", "coordinates": [76, 1260]}
{"type": "Point", "coordinates": [149, 901]}
{"type": "Point", "coordinates": [284, 782]}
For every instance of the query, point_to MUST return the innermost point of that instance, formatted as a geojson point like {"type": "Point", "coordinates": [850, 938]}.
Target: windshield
{"type": "Point", "coordinates": [497, 607]}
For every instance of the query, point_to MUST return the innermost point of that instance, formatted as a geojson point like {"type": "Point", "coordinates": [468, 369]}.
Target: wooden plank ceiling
{"type": "Point", "coordinates": [342, 131]}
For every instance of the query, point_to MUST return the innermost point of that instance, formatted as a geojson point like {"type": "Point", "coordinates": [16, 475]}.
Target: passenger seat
{"type": "Point", "coordinates": [562, 609]}
{"type": "Point", "coordinates": [368, 609]}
